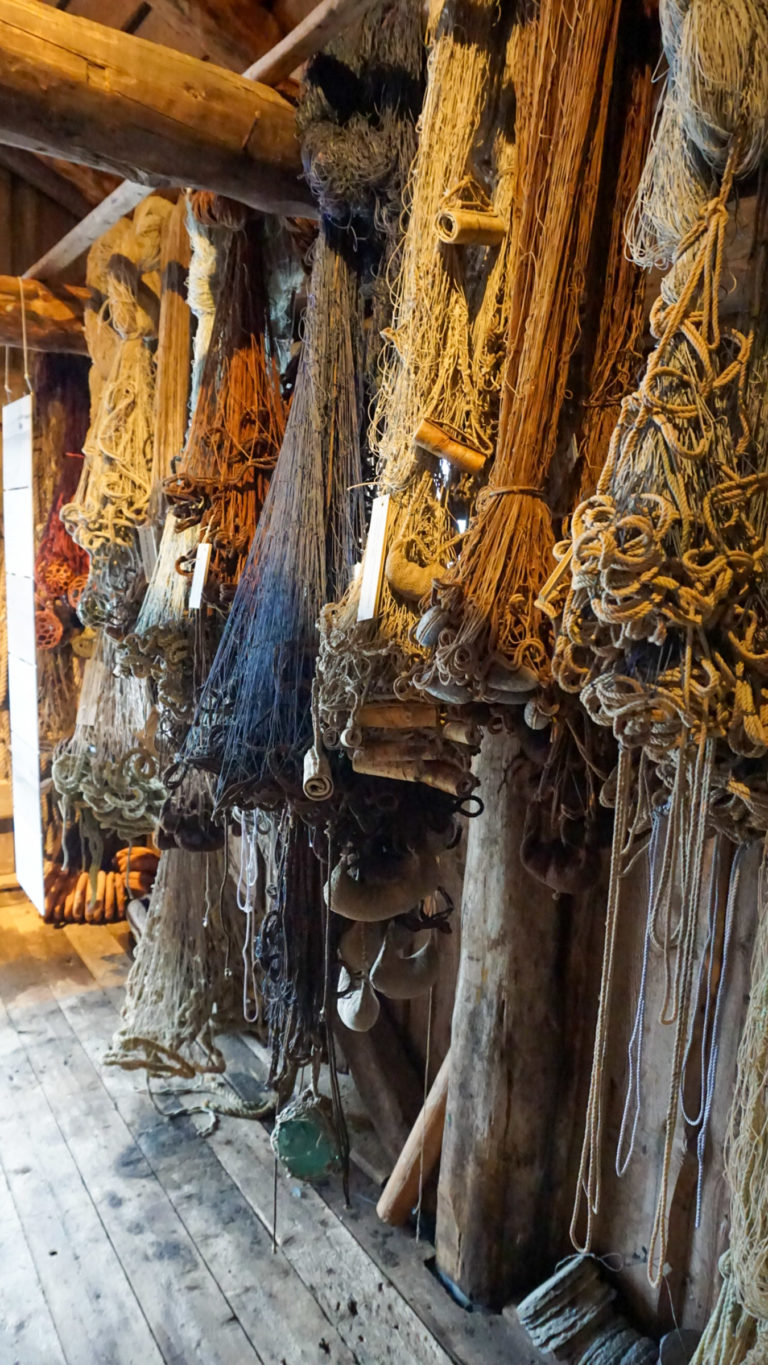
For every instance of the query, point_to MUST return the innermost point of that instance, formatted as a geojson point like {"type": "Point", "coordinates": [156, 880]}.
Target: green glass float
{"type": "Point", "coordinates": [304, 1138]}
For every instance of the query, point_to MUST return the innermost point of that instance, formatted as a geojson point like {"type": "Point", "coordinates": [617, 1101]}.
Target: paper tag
{"type": "Point", "coordinates": [89, 704]}
{"type": "Point", "coordinates": [373, 559]}
{"type": "Point", "coordinates": [148, 548]}
{"type": "Point", "coordinates": [202, 560]}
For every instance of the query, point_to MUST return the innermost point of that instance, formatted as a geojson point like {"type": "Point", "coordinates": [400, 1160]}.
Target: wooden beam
{"type": "Point", "coordinates": [506, 1048]}
{"type": "Point", "coordinates": [52, 318]}
{"type": "Point", "coordinates": [287, 54]}
{"type": "Point", "coordinates": [73, 88]}
{"type": "Point", "coordinates": [325, 22]}
{"type": "Point", "coordinates": [231, 32]}
{"type": "Point", "coordinates": [42, 177]}
{"type": "Point", "coordinates": [93, 185]}
{"type": "Point", "coordinates": [419, 1156]}
{"type": "Point", "coordinates": [82, 236]}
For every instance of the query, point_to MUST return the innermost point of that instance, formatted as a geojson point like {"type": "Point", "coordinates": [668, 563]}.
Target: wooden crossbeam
{"type": "Point", "coordinates": [325, 21]}
{"type": "Point", "coordinates": [72, 88]}
{"type": "Point", "coordinates": [51, 318]}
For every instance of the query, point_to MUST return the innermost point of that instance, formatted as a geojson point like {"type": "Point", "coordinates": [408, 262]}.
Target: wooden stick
{"type": "Point", "coordinates": [465, 227]}
{"type": "Point", "coordinates": [402, 1189]}
{"type": "Point", "coordinates": [324, 23]}
{"type": "Point", "coordinates": [435, 439]}
{"type": "Point", "coordinates": [109, 99]}
{"type": "Point", "coordinates": [413, 715]}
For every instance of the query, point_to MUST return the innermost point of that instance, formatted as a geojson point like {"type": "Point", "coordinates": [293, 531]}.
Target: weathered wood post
{"type": "Point", "coordinates": [505, 1053]}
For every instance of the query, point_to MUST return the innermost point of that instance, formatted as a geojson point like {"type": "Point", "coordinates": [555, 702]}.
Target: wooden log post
{"type": "Point", "coordinates": [51, 316]}
{"type": "Point", "coordinates": [505, 1054]}
{"type": "Point", "coordinates": [99, 96]}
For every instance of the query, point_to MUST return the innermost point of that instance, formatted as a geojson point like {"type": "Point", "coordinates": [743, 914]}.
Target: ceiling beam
{"type": "Point", "coordinates": [324, 22]}
{"type": "Point", "coordinates": [51, 317]}
{"type": "Point", "coordinates": [43, 178]}
{"type": "Point", "coordinates": [231, 32]}
{"type": "Point", "coordinates": [93, 185]}
{"type": "Point", "coordinates": [321, 25]}
{"type": "Point", "coordinates": [88, 93]}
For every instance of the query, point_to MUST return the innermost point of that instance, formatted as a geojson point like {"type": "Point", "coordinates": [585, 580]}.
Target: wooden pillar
{"type": "Point", "coordinates": [506, 1054]}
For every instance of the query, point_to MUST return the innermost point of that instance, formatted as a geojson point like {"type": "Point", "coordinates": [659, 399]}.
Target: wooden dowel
{"type": "Point", "coordinates": [402, 1189]}
{"type": "Point", "coordinates": [437, 441]}
{"type": "Point", "coordinates": [407, 715]}
{"type": "Point", "coordinates": [470, 227]}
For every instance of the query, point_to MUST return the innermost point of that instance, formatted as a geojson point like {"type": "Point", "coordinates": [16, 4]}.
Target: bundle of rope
{"type": "Point", "coordinates": [185, 984]}
{"type": "Point", "coordinates": [493, 644]}
{"type": "Point", "coordinates": [114, 490]}
{"type": "Point", "coordinates": [220, 481]}
{"type": "Point", "coordinates": [716, 88]}
{"type": "Point", "coordinates": [106, 774]}
{"type": "Point", "coordinates": [664, 632]}
{"type": "Point", "coordinates": [252, 724]}
{"type": "Point", "coordinates": [435, 416]}
{"type": "Point", "coordinates": [61, 567]}
{"type": "Point", "coordinates": [161, 644]}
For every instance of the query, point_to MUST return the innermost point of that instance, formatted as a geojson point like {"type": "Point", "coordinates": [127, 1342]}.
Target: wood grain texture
{"type": "Point", "coordinates": [52, 316]}
{"type": "Point", "coordinates": [230, 32]}
{"type": "Point", "coordinates": [320, 26]}
{"type": "Point", "coordinates": [91, 94]}
{"type": "Point", "coordinates": [505, 1054]}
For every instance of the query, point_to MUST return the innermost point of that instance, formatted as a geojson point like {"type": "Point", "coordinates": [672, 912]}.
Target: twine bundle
{"type": "Point", "coordinates": [253, 723]}
{"type": "Point", "coordinates": [160, 646]}
{"type": "Point", "coordinates": [440, 368]}
{"type": "Point", "coordinates": [106, 775]}
{"type": "Point", "coordinates": [220, 481]}
{"type": "Point", "coordinates": [114, 490]}
{"type": "Point", "coordinates": [185, 982]}
{"type": "Point", "coordinates": [716, 92]}
{"type": "Point", "coordinates": [59, 560]}
{"type": "Point", "coordinates": [493, 644]}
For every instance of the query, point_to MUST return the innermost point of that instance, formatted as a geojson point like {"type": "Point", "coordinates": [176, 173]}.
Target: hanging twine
{"type": "Point", "coordinates": [186, 980]}
{"type": "Point", "coordinates": [493, 644]}
{"type": "Point", "coordinates": [443, 355]}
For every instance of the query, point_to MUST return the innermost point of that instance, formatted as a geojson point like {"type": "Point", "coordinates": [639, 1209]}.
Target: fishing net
{"type": "Point", "coordinates": [493, 643]}
{"type": "Point", "coordinates": [435, 415]}
{"type": "Point", "coordinates": [106, 774]}
{"type": "Point", "coordinates": [114, 490]}
{"type": "Point", "coordinates": [253, 723]}
{"type": "Point", "coordinates": [716, 90]}
{"type": "Point", "coordinates": [220, 481]}
{"type": "Point", "coordinates": [173, 357]}
{"type": "Point", "coordinates": [186, 981]}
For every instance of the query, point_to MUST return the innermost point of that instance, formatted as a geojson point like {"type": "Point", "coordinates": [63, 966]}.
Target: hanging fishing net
{"type": "Point", "coordinates": [220, 481]}
{"type": "Point", "coordinates": [106, 775]}
{"type": "Point", "coordinates": [186, 981]}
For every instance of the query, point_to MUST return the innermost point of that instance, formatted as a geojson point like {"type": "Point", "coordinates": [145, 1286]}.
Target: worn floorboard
{"type": "Point", "coordinates": [127, 1237]}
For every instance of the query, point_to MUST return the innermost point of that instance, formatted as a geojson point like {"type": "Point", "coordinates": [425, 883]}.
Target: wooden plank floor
{"type": "Point", "coordinates": [128, 1238]}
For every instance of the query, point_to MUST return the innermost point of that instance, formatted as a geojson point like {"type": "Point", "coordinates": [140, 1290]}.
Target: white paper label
{"type": "Point", "coordinates": [148, 548]}
{"type": "Point", "coordinates": [373, 559]}
{"type": "Point", "coordinates": [202, 560]}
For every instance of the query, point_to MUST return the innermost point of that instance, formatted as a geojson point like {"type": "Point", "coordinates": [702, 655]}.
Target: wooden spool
{"type": "Point", "coordinates": [430, 436]}
{"type": "Point", "coordinates": [413, 715]}
{"type": "Point", "coordinates": [469, 227]}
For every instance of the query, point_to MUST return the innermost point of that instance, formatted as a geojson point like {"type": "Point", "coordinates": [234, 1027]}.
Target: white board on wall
{"type": "Point", "coordinates": [19, 530]}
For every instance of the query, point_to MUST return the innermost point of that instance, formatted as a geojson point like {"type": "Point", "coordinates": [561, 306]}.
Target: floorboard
{"type": "Point", "coordinates": [165, 1237]}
